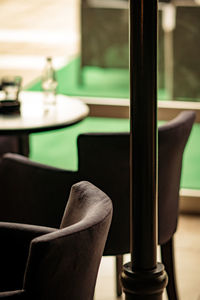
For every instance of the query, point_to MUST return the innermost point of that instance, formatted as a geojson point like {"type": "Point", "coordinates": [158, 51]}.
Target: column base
{"type": "Point", "coordinates": [144, 285]}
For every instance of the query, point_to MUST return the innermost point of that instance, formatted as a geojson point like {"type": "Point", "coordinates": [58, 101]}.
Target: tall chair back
{"type": "Point", "coordinates": [104, 161]}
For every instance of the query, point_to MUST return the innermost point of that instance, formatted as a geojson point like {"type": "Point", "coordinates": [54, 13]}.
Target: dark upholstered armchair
{"type": "Point", "coordinates": [104, 160]}
{"type": "Point", "coordinates": [45, 263]}
{"type": "Point", "coordinates": [36, 194]}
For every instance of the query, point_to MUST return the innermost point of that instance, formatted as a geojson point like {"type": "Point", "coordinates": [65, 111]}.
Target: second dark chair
{"type": "Point", "coordinates": [104, 160]}
{"type": "Point", "coordinates": [33, 192]}
{"type": "Point", "coordinates": [40, 263]}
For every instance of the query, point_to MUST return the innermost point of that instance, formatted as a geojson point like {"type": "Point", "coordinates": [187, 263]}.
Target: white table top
{"type": "Point", "coordinates": [36, 117]}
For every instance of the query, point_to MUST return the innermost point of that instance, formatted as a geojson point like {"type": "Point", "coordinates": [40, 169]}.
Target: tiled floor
{"type": "Point", "coordinates": [31, 30]}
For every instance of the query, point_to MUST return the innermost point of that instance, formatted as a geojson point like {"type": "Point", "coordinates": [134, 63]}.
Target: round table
{"type": "Point", "coordinates": [35, 116]}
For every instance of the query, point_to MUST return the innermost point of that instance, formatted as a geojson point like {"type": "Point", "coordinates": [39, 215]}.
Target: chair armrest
{"type": "Point", "coordinates": [15, 241]}
{"type": "Point", "coordinates": [22, 233]}
{"type": "Point", "coordinates": [15, 238]}
{"type": "Point", "coordinates": [19, 294]}
{"type": "Point", "coordinates": [33, 193]}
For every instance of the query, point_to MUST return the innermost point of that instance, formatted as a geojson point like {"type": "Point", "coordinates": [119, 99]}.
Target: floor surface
{"type": "Point", "coordinates": [187, 255]}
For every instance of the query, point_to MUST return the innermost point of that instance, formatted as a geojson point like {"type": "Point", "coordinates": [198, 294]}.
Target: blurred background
{"type": "Point", "coordinates": [32, 30]}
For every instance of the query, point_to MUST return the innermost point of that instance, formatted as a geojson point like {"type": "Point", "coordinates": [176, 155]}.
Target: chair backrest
{"type": "Point", "coordinates": [104, 161]}
{"type": "Point", "coordinates": [33, 193]}
{"type": "Point", "coordinates": [172, 138]}
{"type": "Point", "coordinates": [64, 264]}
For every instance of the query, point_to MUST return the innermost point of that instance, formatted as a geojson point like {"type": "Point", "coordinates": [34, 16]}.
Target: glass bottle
{"type": "Point", "coordinates": [49, 82]}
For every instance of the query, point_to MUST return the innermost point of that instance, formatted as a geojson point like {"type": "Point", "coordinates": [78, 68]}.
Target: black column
{"type": "Point", "coordinates": [143, 278]}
